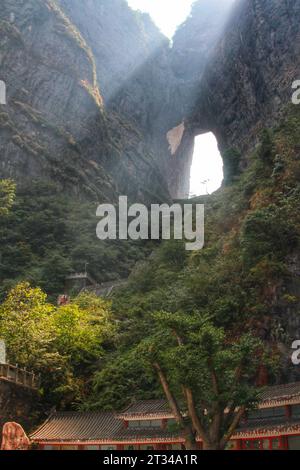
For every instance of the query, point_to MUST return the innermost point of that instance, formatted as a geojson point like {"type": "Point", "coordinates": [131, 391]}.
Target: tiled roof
{"type": "Point", "coordinates": [105, 427]}
{"type": "Point", "coordinates": [147, 407]}
{"type": "Point", "coordinates": [262, 423]}
{"type": "Point", "coordinates": [150, 433]}
{"type": "Point", "coordinates": [281, 392]}
{"type": "Point", "coordinates": [266, 429]}
{"type": "Point", "coordinates": [70, 426]}
{"type": "Point", "coordinates": [96, 426]}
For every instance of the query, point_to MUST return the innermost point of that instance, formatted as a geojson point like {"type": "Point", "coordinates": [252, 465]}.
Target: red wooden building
{"type": "Point", "coordinates": [150, 425]}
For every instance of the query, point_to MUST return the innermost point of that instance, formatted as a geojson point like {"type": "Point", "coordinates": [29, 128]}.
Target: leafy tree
{"type": "Point", "coordinates": [7, 196]}
{"type": "Point", "coordinates": [121, 379]}
{"type": "Point", "coordinates": [24, 324]}
{"type": "Point", "coordinates": [81, 327]}
{"type": "Point", "coordinates": [60, 343]}
{"type": "Point", "coordinates": [205, 373]}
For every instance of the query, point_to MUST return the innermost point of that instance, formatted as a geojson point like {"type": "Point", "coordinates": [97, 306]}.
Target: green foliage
{"type": "Point", "coordinates": [193, 356]}
{"type": "Point", "coordinates": [173, 253]}
{"type": "Point", "coordinates": [24, 324]}
{"type": "Point", "coordinates": [57, 342]}
{"type": "Point", "coordinates": [48, 234]}
{"type": "Point", "coordinates": [268, 232]}
{"type": "Point", "coordinates": [7, 196]}
{"type": "Point", "coordinates": [120, 380]}
{"type": "Point", "coordinates": [197, 345]}
{"type": "Point", "coordinates": [77, 335]}
{"type": "Point", "coordinates": [252, 228]}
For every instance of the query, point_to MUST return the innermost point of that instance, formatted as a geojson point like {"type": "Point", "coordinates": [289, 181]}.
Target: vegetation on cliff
{"type": "Point", "coordinates": [7, 196]}
{"type": "Point", "coordinates": [47, 235]}
{"type": "Point", "coordinates": [242, 281]}
{"type": "Point", "coordinates": [185, 319]}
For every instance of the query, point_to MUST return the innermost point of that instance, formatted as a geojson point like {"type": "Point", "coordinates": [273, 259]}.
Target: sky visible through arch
{"type": "Point", "coordinates": [207, 168]}
{"type": "Point", "coordinates": [167, 14]}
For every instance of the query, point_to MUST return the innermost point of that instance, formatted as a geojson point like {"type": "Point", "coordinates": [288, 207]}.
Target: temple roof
{"type": "Point", "coordinates": [85, 426]}
{"type": "Point", "coordinates": [146, 408]}
{"type": "Point", "coordinates": [96, 427]}
{"type": "Point", "coordinates": [280, 393]}
{"type": "Point", "coordinates": [110, 427]}
{"type": "Point", "coordinates": [265, 428]}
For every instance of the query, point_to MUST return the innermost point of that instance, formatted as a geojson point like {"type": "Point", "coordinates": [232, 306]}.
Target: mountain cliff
{"type": "Point", "coordinates": [245, 82]}
{"type": "Point", "coordinates": [100, 103]}
{"type": "Point", "coordinates": [55, 124]}
{"type": "Point", "coordinates": [117, 88]}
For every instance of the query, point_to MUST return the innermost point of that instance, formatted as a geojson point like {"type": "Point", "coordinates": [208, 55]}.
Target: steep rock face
{"type": "Point", "coordinates": [246, 83]}
{"type": "Point", "coordinates": [153, 85]}
{"type": "Point", "coordinates": [55, 124]}
{"type": "Point", "coordinates": [99, 86]}
{"type": "Point", "coordinates": [193, 48]}
{"type": "Point", "coordinates": [122, 42]}
{"type": "Point", "coordinates": [193, 45]}
{"type": "Point", "coordinates": [258, 59]}
{"type": "Point", "coordinates": [133, 66]}
{"type": "Point", "coordinates": [17, 404]}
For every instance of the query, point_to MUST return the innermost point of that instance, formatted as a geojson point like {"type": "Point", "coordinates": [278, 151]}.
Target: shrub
{"type": "Point", "coordinates": [268, 232]}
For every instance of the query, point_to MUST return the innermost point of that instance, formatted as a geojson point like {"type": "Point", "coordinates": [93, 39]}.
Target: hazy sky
{"type": "Point", "coordinates": [207, 164]}
{"type": "Point", "coordinates": [167, 14]}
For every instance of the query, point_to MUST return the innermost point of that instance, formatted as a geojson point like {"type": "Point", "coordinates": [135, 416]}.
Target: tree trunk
{"type": "Point", "coordinates": [194, 416]}
{"type": "Point", "coordinates": [191, 444]}
{"type": "Point", "coordinates": [210, 446]}
{"type": "Point", "coordinates": [190, 438]}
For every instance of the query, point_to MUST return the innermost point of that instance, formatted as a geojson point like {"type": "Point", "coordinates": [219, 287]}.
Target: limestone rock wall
{"type": "Point", "coordinates": [17, 404]}
{"type": "Point", "coordinates": [55, 125]}
{"type": "Point", "coordinates": [94, 88]}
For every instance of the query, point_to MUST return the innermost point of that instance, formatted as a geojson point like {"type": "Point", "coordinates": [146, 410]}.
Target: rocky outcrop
{"type": "Point", "coordinates": [17, 403]}
{"type": "Point", "coordinates": [193, 46]}
{"type": "Point", "coordinates": [55, 124]}
{"type": "Point", "coordinates": [257, 72]}
{"type": "Point", "coordinates": [133, 65]}
{"type": "Point", "coordinates": [94, 90]}
{"type": "Point", "coordinates": [246, 83]}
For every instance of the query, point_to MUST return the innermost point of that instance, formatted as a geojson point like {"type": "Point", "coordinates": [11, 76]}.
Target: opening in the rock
{"type": "Point", "coordinates": [207, 166]}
